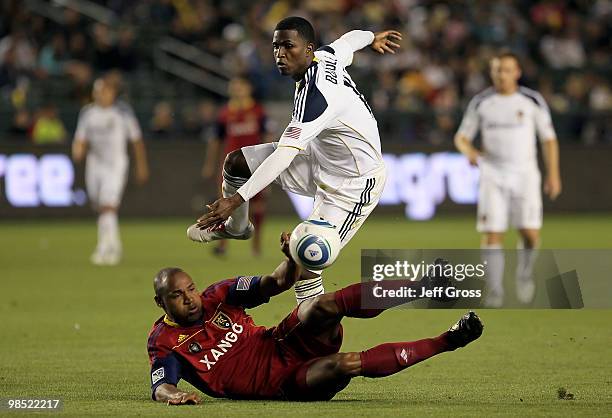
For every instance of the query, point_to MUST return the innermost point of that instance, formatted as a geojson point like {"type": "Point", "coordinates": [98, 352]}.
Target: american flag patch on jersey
{"type": "Point", "coordinates": [292, 132]}
{"type": "Point", "coordinates": [244, 283]}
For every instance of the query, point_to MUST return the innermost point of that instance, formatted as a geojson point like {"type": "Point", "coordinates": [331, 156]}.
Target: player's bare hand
{"type": "Point", "coordinates": [142, 175]}
{"type": "Point", "coordinates": [185, 398]}
{"type": "Point", "coordinates": [473, 156]}
{"type": "Point", "coordinates": [284, 241]}
{"type": "Point", "coordinates": [552, 186]}
{"type": "Point", "coordinates": [220, 210]}
{"type": "Point", "coordinates": [386, 41]}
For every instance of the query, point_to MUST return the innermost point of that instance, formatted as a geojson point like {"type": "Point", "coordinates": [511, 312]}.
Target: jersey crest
{"type": "Point", "coordinates": [221, 321]}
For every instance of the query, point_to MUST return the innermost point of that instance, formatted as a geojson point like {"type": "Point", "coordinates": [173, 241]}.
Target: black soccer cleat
{"type": "Point", "coordinates": [466, 330]}
{"type": "Point", "coordinates": [436, 278]}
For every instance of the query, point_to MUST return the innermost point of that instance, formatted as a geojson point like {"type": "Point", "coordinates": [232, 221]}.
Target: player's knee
{"type": "Point", "coordinates": [235, 164]}
{"type": "Point", "coordinates": [530, 237]}
{"type": "Point", "coordinates": [343, 365]}
{"type": "Point", "coordinates": [318, 309]}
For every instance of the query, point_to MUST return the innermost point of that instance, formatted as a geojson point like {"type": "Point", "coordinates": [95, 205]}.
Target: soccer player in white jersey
{"type": "Point", "coordinates": [330, 150]}
{"type": "Point", "coordinates": [508, 117]}
{"type": "Point", "coordinates": [103, 131]}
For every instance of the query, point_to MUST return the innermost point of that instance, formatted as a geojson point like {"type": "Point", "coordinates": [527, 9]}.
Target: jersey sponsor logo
{"type": "Point", "coordinates": [157, 375]}
{"type": "Point", "coordinates": [244, 283]}
{"type": "Point", "coordinates": [211, 358]}
{"type": "Point", "coordinates": [182, 338]}
{"type": "Point", "coordinates": [330, 71]}
{"type": "Point", "coordinates": [195, 348]}
{"type": "Point", "coordinates": [221, 320]}
{"type": "Point", "coordinates": [502, 125]}
{"type": "Point", "coordinates": [292, 132]}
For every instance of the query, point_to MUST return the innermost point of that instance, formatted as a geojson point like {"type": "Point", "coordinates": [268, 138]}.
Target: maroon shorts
{"type": "Point", "coordinates": [300, 347]}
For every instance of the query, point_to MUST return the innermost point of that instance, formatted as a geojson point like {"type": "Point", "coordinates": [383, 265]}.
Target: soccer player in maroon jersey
{"type": "Point", "coordinates": [208, 339]}
{"type": "Point", "coordinates": [241, 123]}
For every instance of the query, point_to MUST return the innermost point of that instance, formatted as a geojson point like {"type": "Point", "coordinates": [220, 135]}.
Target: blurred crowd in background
{"type": "Point", "coordinates": [48, 63]}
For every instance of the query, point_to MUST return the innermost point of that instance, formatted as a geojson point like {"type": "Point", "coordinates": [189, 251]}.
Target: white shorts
{"type": "Point", "coordinates": [345, 202]}
{"type": "Point", "coordinates": [104, 185]}
{"type": "Point", "coordinates": [512, 199]}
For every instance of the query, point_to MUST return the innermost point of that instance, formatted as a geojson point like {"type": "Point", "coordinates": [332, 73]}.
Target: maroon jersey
{"type": "Point", "coordinates": [241, 128]}
{"type": "Point", "coordinates": [227, 355]}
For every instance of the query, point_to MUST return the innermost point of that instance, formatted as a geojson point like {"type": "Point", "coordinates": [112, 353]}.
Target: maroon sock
{"type": "Point", "coordinates": [387, 359]}
{"type": "Point", "coordinates": [350, 299]}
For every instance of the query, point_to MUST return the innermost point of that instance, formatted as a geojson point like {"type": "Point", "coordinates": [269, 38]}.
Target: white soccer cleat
{"type": "Point", "coordinates": [217, 232]}
{"type": "Point", "coordinates": [111, 258]}
{"type": "Point", "coordinates": [525, 290]}
{"type": "Point", "coordinates": [97, 259]}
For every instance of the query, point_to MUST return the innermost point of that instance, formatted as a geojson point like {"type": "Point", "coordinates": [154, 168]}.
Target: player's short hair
{"type": "Point", "coordinates": [506, 53]}
{"type": "Point", "coordinates": [299, 24]}
{"type": "Point", "coordinates": [160, 282]}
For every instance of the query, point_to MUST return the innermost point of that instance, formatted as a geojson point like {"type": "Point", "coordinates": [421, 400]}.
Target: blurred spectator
{"type": "Point", "coordinates": [48, 128]}
{"type": "Point", "coordinates": [127, 59]}
{"type": "Point", "coordinates": [105, 53]}
{"type": "Point", "coordinates": [21, 123]}
{"type": "Point", "coordinates": [162, 123]}
{"type": "Point", "coordinates": [53, 56]}
{"type": "Point", "coordinates": [17, 48]}
{"type": "Point", "coordinates": [208, 119]}
{"type": "Point", "coordinates": [415, 93]}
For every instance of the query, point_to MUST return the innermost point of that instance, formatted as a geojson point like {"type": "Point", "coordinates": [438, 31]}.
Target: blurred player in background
{"type": "Point", "coordinates": [330, 150]}
{"type": "Point", "coordinates": [508, 117]}
{"type": "Point", "coordinates": [103, 131]}
{"type": "Point", "coordinates": [241, 123]}
{"type": "Point", "coordinates": [210, 341]}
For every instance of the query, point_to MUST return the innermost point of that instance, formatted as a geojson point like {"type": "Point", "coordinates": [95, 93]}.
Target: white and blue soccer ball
{"type": "Point", "coordinates": [314, 244]}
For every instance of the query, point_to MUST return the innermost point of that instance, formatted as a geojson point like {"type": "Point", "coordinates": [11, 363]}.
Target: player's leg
{"type": "Point", "coordinates": [237, 169]}
{"type": "Point", "coordinates": [347, 207]}
{"type": "Point", "coordinates": [527, 217]}
{"type": "Point", "coordinates": [320, 316]}
{"type": "Point", "coordinates": [111, 191]}
{"type": "Point", "coordinates": [257, 213]}
{"type": "Point", "coordinates": [492, 212]}
{"type": "Point", "coordinates": [93, 182]}
{"type": "Point", "coordinates": [322, 378]}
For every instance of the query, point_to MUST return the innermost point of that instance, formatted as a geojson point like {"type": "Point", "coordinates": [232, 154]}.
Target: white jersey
{"type": "Point", "coordinates": [508, 126]}
{"type": "Point", "coordinates": [107, 131]}
{"type": "Point", "coordinates": [331, 119]}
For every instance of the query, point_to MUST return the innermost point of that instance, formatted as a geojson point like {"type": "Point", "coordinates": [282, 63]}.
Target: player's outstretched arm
{"type": "Point", "coordinates": [173, 396]}
{"type": "Point", "coordinates": [284, 276]}
{"type": "Point", "coordinates": [386, 41]}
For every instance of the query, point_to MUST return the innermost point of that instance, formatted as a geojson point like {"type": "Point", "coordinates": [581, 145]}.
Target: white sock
{"type": "Point", "coordinates": [238, 221]}
{"type": "Point", "coordinates": [108, 233]}
{"type": "Point", "coordinates": [525, 259]}
{"type": "Point", "coordinates": [309, 288]}
{"type": "Point", "coordinates": [494, 254]}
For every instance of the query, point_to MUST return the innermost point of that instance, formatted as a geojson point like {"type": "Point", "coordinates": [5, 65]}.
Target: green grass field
{"type": "Point", "coordinates": [78, 332]}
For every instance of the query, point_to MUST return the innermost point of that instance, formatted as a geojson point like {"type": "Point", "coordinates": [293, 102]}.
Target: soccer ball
{"type": "Point", "coordinates": [314, 244]}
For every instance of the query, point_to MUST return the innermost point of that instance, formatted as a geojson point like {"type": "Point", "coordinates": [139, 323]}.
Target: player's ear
{"type": "Point", "coordinates": [309, 47]}
{"type": "Point", "coordinates": [159, 302]}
